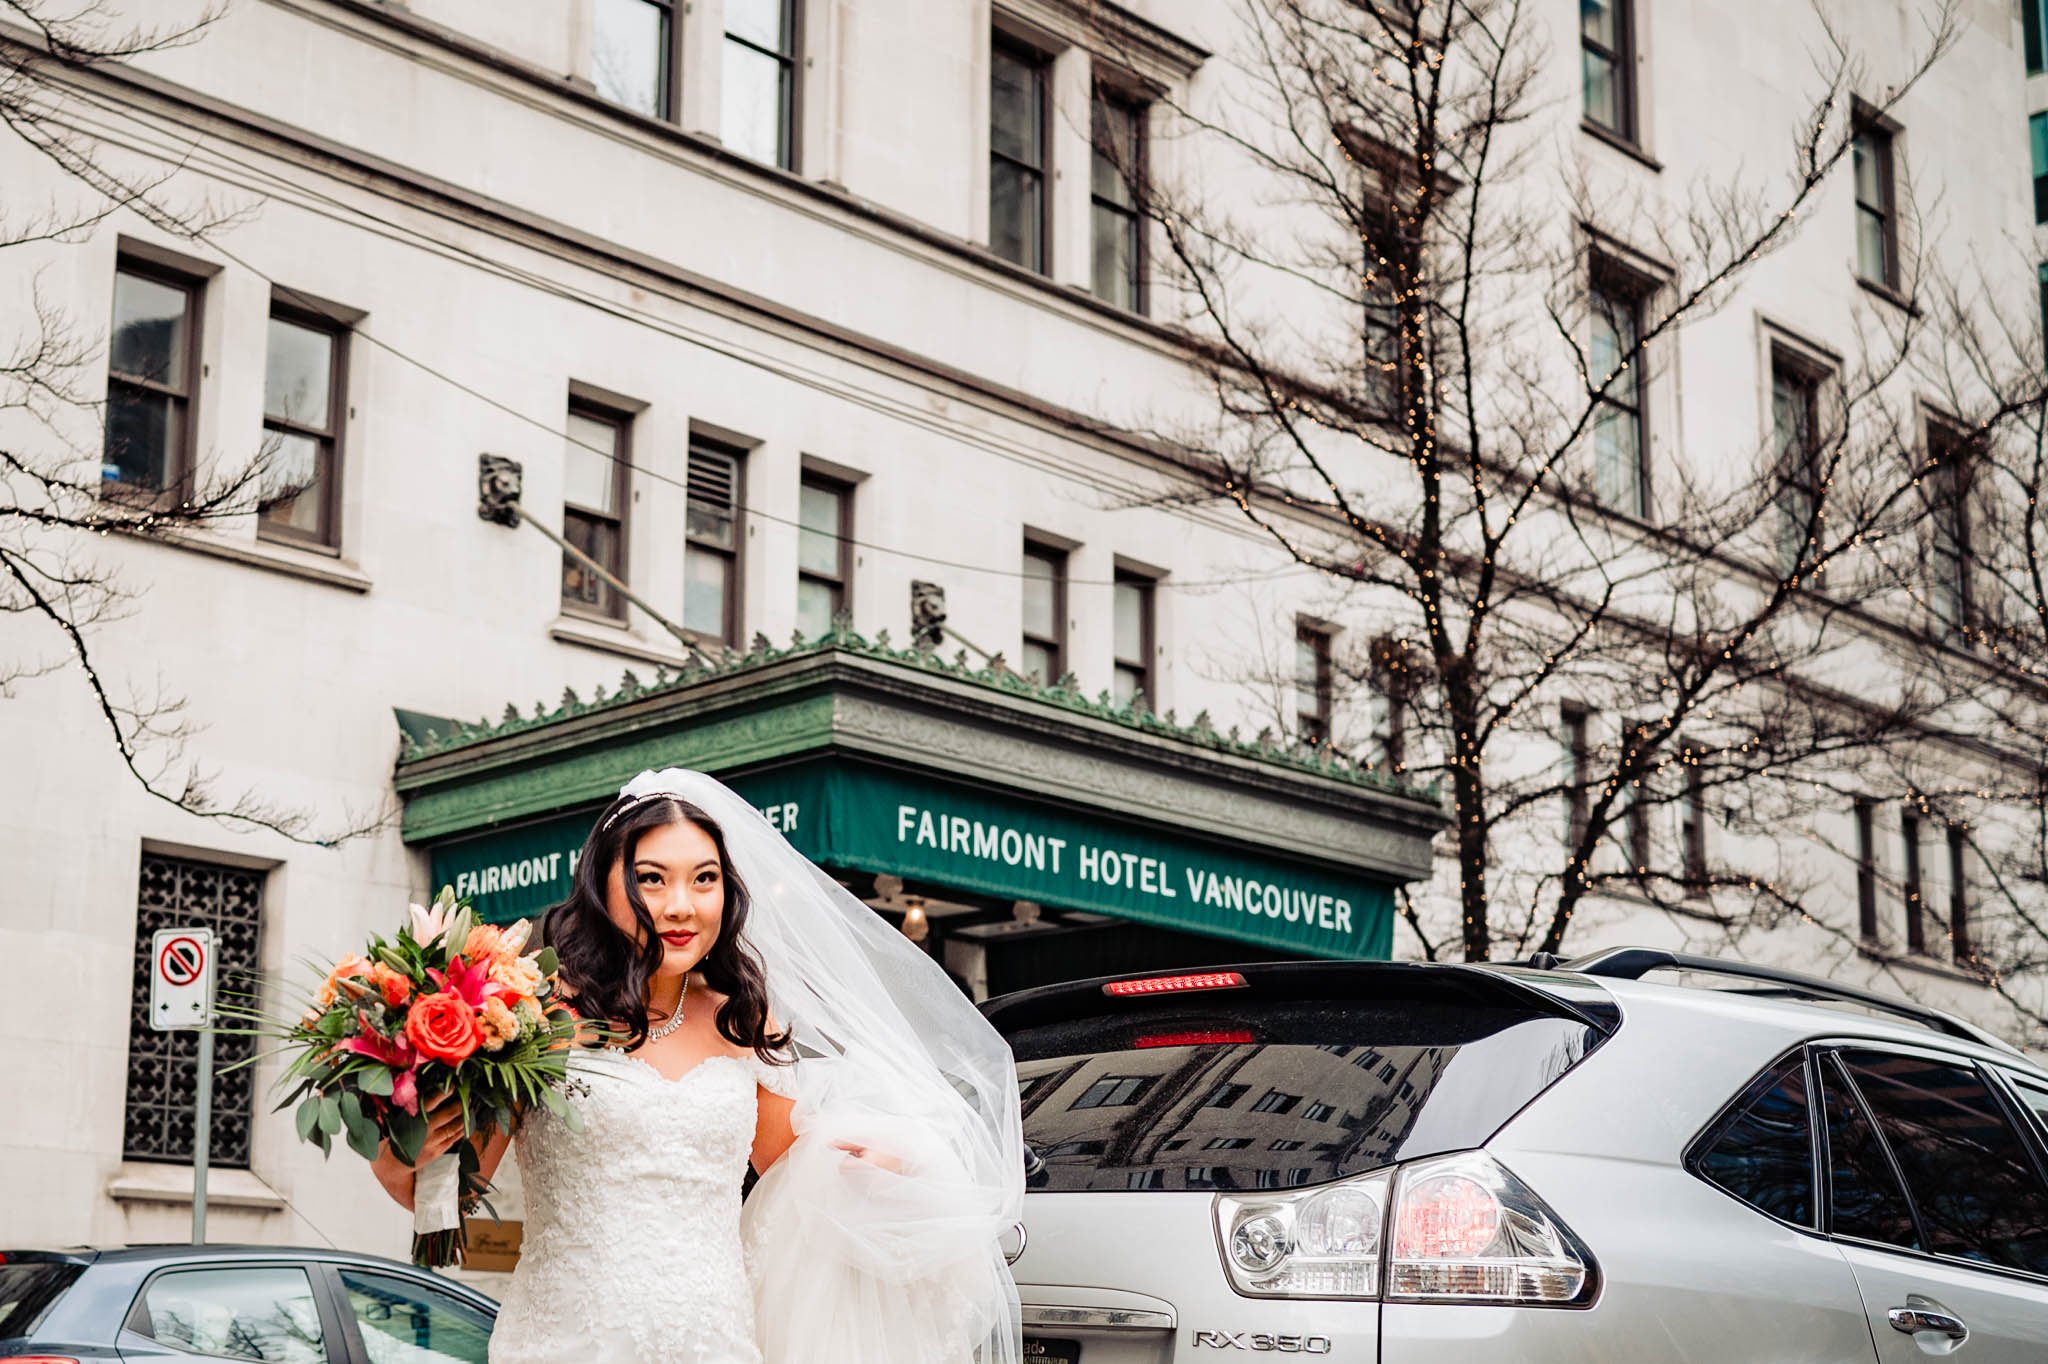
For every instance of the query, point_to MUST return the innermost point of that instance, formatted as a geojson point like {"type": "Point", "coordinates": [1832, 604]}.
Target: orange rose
{"type": "Point", "coordinates": [443, 1028]}
{"type": "Point", "coordinates": [393, 985]}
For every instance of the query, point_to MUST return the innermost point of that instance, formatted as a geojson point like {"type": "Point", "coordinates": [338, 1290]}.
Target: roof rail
{"type": "Point", "coordinates": [1633, 963]}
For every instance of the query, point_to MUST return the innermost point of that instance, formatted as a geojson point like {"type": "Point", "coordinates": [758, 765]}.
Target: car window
{"type": "Point", "coordinates": [28, 1289]}
{"type": "Point", "coordinates": [1970, 1174]}
{"type": "Point", "coordinates": [2032, 1093]}
{"type": "Point", "coordinates": [1762, 1150]}
{"type": "Point", "coordinates": [1865, 1198]}
{"type": "Point", "coordinates": [406, 1322]}
{"type": "Point", "coordinates": [237, 1312]}
{"type": "Point", "coordinates": [1241, 1093]}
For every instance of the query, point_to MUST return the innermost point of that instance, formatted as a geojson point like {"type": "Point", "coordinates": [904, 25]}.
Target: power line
{"type": "Point", "coordinates": [409, 236]}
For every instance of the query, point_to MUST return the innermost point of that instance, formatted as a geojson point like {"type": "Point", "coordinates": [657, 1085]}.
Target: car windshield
{"type": "Point", "coordinates": [1229, 1092]}
{"type": "Point", "coordinates": [27, 1291]}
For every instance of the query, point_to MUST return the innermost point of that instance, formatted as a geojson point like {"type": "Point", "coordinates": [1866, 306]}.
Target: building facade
{"type": "Point", "coordinates": [828, 339]}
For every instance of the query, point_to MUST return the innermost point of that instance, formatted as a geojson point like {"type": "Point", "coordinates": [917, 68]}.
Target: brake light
{"type": "Point", "coordinates": [1167, 985]}
{"type": "Point", "coordinates": [1459, 1229]}
{"type": "Point", "coordinates": [1240, 1037]}
{"type": "Point", "coordinates": [37, 1359]}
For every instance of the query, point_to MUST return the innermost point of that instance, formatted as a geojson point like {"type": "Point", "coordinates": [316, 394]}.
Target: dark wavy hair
{"type": "Point", "coordinates": [608, 972]}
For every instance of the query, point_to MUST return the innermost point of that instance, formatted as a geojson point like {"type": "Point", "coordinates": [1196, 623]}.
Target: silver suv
{"type": "Point", "coordinates": [1446, 1163]}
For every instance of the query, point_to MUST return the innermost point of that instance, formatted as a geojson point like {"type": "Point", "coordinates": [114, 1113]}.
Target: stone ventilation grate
{"type": "Point", "coordinates": [163, 1066]}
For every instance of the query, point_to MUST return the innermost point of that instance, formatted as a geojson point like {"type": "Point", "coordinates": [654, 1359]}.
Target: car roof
{"type": "Point", "coordinates": [185, 1251]}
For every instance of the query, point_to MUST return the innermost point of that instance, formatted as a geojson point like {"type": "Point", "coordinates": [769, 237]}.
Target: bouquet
{"type": "Point", "coordinates": [447, 1006]}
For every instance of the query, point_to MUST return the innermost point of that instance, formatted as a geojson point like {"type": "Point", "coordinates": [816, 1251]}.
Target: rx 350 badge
{"type": "Point", "coordinates": [1262, 1343]}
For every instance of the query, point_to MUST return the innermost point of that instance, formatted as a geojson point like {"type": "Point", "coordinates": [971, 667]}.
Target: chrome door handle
{"type": "Point", "coordinates": [1913, 1320]}
{"type": "Point", "coordinates": [1023, 1239]}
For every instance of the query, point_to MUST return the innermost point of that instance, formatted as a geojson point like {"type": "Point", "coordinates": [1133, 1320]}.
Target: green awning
{"type": "Point", "coordinates": [854, 816]}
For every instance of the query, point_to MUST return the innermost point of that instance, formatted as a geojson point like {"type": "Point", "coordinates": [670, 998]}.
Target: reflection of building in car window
{"type": "Point", "coordinates": [1273, 1101]}
{"type": "Point", "coordinates": [1114, 1091]}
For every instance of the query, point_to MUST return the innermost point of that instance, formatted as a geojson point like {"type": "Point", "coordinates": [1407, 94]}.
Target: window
{"type": "Point", "coordinates": [1114, 1091]}
{"type": "Point", "coordinates": [1273, 1101]}
{"type": "Point", "coordinates": [1693, 813]}
{"type": "Point", "coordinates": [1019, 207]}
{"type": "Point", "coordinates": [1134, 598]}
{"type": "Point", "coordinates": [1969, 1174]}
{"type": "Point", "coordinates": [244, 1312]}
{"type": "Point", "coordinates": [824, 579]}
{"type": "Point", "coordinates": [303, 403]}
{"type": "Point", "coordinates": [634, 47]}
{"type": "Point", "coordinates": [1285, 1145]}
{"type": "Point", "coordinates": [1117, 181]}
{"type": "Point", "coordinates": [712, 527]}
{"type": "Point", "coordinates": [1577, 761]}
{"type": "Point", "coordinates": [1145, 1179]}
{"type": "Point", "coordinates": [1866, 869]}
{"type": "Point", "coordinates": [1613, 361]}
{"type": "Point", "coordinates": [1607, 64]}
{"type": "Point", "coordinates": [152, 361]}
{"type": "Point", "coordinates": [2030, 33]}
{"type": "Point", "coordinates": [1761, 1151]}
{"type": "Point", "coordinates": [595, 471]}
{"type": "Point", "coordinates": [1636, 816]}
{"type": "Point", "coordinates": [163, 1066]}
{"type": "Point", "coordinates": [1877, 233]}
{"type": "Point", "coordinates": [1950, 489]}
{"type": "Point", "coordinates": [1223, 1096]}
{"type": "Point", "coordinates": [1314, 682]}
{"type": "Point", "coordinates": [1916, 928]}
{"type": "Point", "coordinates": [1865, 1199]}
{"type": "Point", "coordinates": [2031, 1094]}
{"type": "Point", "coordinates": [402, 1320]}
{"type": "Point", "coordinates": [1045, 613]}
{"type": "Point", "coordinates": [1958, 894]}
{"type": "Point", "coordinates": [758, 87]}
{"type": "Point", "coordinates": [1795, 402]}
{"type": "Point", "coordinates": [2037, 133]}
{"type": "Point", "coordinates": [28, 1290]}
{"type": "Point", "coordinates": [1226, 1143]}
{"type": "Point", "coordinates": [1318, 1112]}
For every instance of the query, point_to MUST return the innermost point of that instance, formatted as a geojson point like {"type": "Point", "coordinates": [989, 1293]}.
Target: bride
{"type": "Point", "coordinates": [767, 1018]}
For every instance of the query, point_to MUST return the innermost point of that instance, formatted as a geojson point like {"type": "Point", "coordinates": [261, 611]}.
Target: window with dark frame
{"type": "Point", "coordinates": [1607, 64]}
{"type": "Point", "coordinates": [1134, 634]}
{"type": "Point", "coordinates": [152, 371]}
{"type": "Point", "coordinates": [1019, 215]}
{"type": "Point", "coordinates": [181, 892]}
{"type": "Point", "coordinates": [1959, 894]}
{"type": "Point", "coordinates": [1916, 926]}
{"type": "Point", "coordinates": [1949, 487]}
{"type": "Point", "coordinates": [1694, 828]}
{"type": "Point", "coordinates": [596, 473]}
{"type": "Point", "coordinates": [758, 87]}
{"type": "Point", "coordinates": [1637, 821]}
{"type": "Point", "coordinates": [1116, 199]}
{"type": "Point", "coordinates": [303, 403]}
{"type": "Point", "coordinates": [1577, 762]}
{"type": "Point", "coordinates": [824, 579]}
{"type": "Point", "coordinates": [1877, 229]}
{"type": "Point", "coordinates": [1045, 612]}
{"type": "Point", "coordinates": [1314, 682]}
{"type": "Point", "coordinates": [635, 52]}
{"type": "Point", "coordinates": [713, 531]}
{"type": "Point", "coordinates": [2037, 135]}
{"type": "Point", "coordinates": [1615, 369]}
{"type": "Point", "coordinates": [1795, 423]}
{"type": "Point", "coordinates": [1866, 869]}
{"type": "Point", "coordinates": [2031, 16]}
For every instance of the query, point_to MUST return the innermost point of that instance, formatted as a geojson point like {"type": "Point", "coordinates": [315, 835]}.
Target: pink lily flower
{"type": "Point", "coordinates": [471, 981]}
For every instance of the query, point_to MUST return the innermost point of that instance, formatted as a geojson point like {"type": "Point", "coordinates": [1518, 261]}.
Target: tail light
{"type": "Point", "coordinates": [1173, 985]}
{"type": "Point", "coordinates": [1454, 1228]}
{"type": "Point", "coordinates": [37, 1359]}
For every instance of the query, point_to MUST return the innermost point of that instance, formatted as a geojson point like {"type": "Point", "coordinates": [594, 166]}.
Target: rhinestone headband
{"type": "Point", "coordinates": [635, 803]}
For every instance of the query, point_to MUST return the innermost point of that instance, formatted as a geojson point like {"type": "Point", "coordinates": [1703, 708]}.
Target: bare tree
{"type": "Point", "coordinates": [1425, 349]}
{"type": "Point", "coordinates": [57, 506]}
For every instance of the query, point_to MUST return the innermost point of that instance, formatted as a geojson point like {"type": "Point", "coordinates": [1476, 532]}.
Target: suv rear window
{"type": "Point", "coordinates": [1229, 1091]}
{"type": "Point", "coordinates": [27, 1291]}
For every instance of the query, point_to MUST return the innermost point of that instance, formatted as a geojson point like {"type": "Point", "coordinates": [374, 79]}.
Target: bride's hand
{"type": "Point", "coordinates": [880, 1159]}
{"type": "Point", "coordinates": [444, 1129]}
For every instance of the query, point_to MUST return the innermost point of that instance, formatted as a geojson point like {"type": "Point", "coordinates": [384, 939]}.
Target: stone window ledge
{"type": "Point", "coordinates": [148, 1182]}
{"type": "Point", "coordinates": [273, 558]}
{"type": "Point", "coordinates": [612, 639]}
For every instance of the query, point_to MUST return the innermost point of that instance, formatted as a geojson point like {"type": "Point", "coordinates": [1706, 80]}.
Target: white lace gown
{"type": "Point", "coordinates": [632, 1250]}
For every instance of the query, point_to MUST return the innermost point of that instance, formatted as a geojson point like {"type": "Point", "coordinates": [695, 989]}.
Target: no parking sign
{"type": "Point", "coordinates": [181, 978]}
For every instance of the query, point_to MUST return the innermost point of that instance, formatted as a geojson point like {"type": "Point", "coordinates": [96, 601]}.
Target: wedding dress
{"type": "Point", "coordinates": [873, 1239]}
{"type": "Point", "coordinates": [632, 1250]}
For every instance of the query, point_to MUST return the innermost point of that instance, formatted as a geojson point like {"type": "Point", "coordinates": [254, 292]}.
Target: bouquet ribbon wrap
{"type": "Point", "coordinates": [437, 1195]}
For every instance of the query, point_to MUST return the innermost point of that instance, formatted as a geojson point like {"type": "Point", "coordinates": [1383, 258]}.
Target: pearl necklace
{"type": "Point", "coordinates": [675, 1020]}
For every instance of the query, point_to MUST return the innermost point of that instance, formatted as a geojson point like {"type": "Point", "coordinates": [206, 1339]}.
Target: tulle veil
{"type": "Point", "coordinates": [893, 1259]}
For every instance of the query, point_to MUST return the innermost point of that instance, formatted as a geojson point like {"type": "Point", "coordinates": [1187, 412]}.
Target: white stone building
{"type": "Point", "coordinates": [835, 286]}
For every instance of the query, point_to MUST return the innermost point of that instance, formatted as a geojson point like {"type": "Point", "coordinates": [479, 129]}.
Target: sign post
{"type": "Point", "coordinates": [181, 997]}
